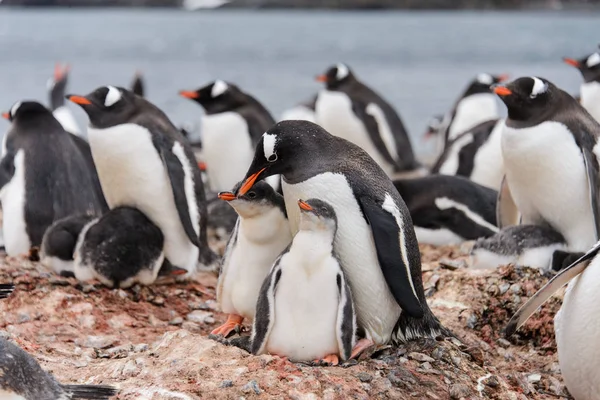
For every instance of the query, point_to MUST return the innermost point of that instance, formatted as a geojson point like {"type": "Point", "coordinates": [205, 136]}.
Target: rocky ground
{"type": "Point", "coordinates": [151, 342]}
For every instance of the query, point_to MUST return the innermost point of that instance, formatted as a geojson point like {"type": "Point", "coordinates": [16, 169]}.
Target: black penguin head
{"type": "Point", "coordinates": [589, 66]}
{"type": "Point", "coordinates": [483, 83]}
{"type": "Point", "coordinates": [26, 111]}
{"type": "Point", "coordinates": [527, 98]}
{"type": "Point", "coordinates": [258, 200]}
{"type": "Point", "coordinates": [316, 214]}
{"type": "Point", "coordinates": [216, 97]}
{"type": "Point", "coordinates": [336, 76]}
{"type": "Point", "coordinates": [107, 106]}
{"type": "Point", "coordinates": [57, 86]}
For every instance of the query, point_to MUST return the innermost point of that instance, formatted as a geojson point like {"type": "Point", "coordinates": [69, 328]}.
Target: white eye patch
{"type": "Point", "coordinates": [539, 87]}
{"type": "Point", "coordinates": [269, 147]}
{"type": "Point", "coordinates": [219, 87]}
{"type": "Point", "coordinates": [593, 60]}
{"type": "Point", "coordinates": [342, 72]}
{"type": "Point", "coordinates": [113, 96]}
{"type": "Point", "coordinates": [14, 108]}
{"type": "Point", "coordinates": [486, 79]}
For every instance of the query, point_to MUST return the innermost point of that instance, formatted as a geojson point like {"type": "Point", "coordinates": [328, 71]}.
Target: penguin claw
{"type": "Point", "coordinates": [360, 347]}
{"type": "Point", "coordinates": [233, 324]}
{"type": "Point", "coordinates": [331, 359]}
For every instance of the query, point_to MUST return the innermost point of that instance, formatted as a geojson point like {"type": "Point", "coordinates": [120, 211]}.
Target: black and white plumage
{"type": "Point", "coordinates": [22, 378]}
{"type": "Point", "coordinates": [589, 67]}
{"type": "Point", "coordinates": [305, 309]}
{"type": "Point", "coordinates": [6, 289]}
{"type": "Point", "coordinates": [119, 249]}
{"type": "Point", "coordinates": [375, 240]}
{"type": "Point", "coordinates": [57, 87]}
{"type": "Point", "coordinates": [550, 151]}
{"type": "Point", "coordinates": [145, 163]}
{"type": "Point", "coordinates": [232, 126]}
{"type": "Point", "coordinates": [43, 177]}
{"type": "Point", "coordinates": [449, 209]}
{"type": "Point", "coordinates": [351, 110]}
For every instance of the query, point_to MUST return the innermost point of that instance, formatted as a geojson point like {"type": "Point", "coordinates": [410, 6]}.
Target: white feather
{"type": "Point", "coordinates": [189, 186]}
{"type": "Point", "coordinates": [342, 72]}
{"type": "Point", "coordinates": [472, 111]}
{"type": "Point", "coordinates": [219, 87]}
{"type": "Point", "coordinates": [66, 119]}
{"type": "Point", "coordinates": [57, 265]}
{"type": "Point", "coordinates": [384, 129]}
{"type": "Point", "coordinates": [269, 142]}
{"type": "Point", "coordinates": [484, 78]}
{"type": "Point", "coordinates": [488, 165]}
{"type": "Point", "coordinates": [437, 237]}
{"type": "Point", "coordinates": [593, 60]}
{"type": "Point", "coordinates": [539, 87]}
{"type": "Point", "coordinates": [112, 97]}
{"type": "Point", "coordinates": [10, 395]}
{"type": "Point", "coordinates": [451, 163]}
{"type": "Point", "coordinates": [13, 196]}
{"type": "Point", "coordinates": [590, 98]}
{"type": "Point", "coordinates": [15, 108]}
{"type": "Point", "coordinates": [444, 203]}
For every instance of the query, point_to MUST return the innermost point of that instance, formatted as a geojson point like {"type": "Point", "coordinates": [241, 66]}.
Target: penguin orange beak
{"type": "Point", "coordinates": [321, 78]}
{"type": "Point", "coordinates": [572, 62]}
{"type": "Point", "coordinates": [227, 196]}
{"type": "Point", "coordinates": [304, 205]}
{"type": "Point", "coordinates": [502, 91]}
{"type": "Point", "coordinates": [503, 77]}
{"type": "Point", "coordinates": [6, 115]}
{"type": "Point", "coordinates": [59, 72]}
{"type": "Point", "coordinates": [202, 166]}
{"type": "Point", "coordinates": [250, 182]}
{"type": "Point", "coordinates": [82, 101]}
{"type": "Point", "coordinates": [189, 94]}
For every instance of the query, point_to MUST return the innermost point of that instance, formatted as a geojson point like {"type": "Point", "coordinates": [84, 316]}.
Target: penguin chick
{"type": "Point", "coordinates": [22, 378]}
{"type": "Point", "coordinates": [6, 289]}
{"type": "Point", "coordinates": [261, 233]}
{"type": "Point", "coordinates": [305, 310]}
{"type": "Point", "coordinates": [58, 243]}
{"type": "Point", "coordinates": [119, 249]}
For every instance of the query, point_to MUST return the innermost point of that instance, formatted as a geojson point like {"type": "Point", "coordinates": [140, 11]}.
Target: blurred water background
{"type": "Point", "coordinates": [419, 61]}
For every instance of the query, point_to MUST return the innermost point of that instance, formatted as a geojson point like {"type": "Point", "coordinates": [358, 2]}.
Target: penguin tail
{"type": "Point", "coordinates": [6, 289]}
{"type": "Point", "coordinates": [90, 392]}
{"type": "Point", "coordinates": [409, 328]}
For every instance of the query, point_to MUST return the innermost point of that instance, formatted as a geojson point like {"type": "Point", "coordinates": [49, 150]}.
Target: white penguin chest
{"type": "Point", "coordinates": [472, 111]}
{"type": "Point", "coordinates": [228, 150]}
{"type": "Point", "coordinates": [376, 309]}
{"type": "Point", "coordinates": [590, 98]}
{"type": "Point", "coordinates": [488, 166]}
{"type": "Point", "coordinates": [548, 181]}
{"type": "Point", "coordinates": [12, 196]}
{"type": "Point", "coordinates": [334, 113]}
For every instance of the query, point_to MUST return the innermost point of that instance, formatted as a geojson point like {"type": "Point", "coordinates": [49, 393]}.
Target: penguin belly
{"type": "Point", "coordinates": [306, 308]}
{"type": "Point", "coordinates": [548, 182]}
{"type": "Point", "coordinates": [132, 174]}
{"type": "Point", "coordinates": [590, 98]}
{"type": "Point", "coordinates": [488, 165]}
{"type": "Point", "coordinates": [471, 111]}
{"type": "Point", "coordinates": [577, 328]}
{"type": "Point", "coordinates": [66, 119]}
{"type": "Point", "coordinates": [334, 113]}
{"type": "Point", "coordinates": [437, 237]}
{"type": "Point", "coordinates": [376, 309]}
{"type": "Point", "coordinates": [13, 198]}
{"type": "Point", "coordinates": [227, 149]}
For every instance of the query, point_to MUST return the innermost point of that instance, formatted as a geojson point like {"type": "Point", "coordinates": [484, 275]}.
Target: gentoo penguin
{"type": "Point", "coordinates": [303, 111]}
{"type": "Point", "coordinates": [56, 89]}
{"type": "Point", "coordinates": [137, 86]}
{"type": "Point", "coordinates": [58, 243]}
{"type": "Point", "coordinates": [375, 240]}
{"type": "Point", "coordinates": [119, 249]}
{"type": "Point", "coordinates": [475, 154]}
{"type": "Point", "coordinates": [477, 104]}
{"type": "Point", "coordinates": [448, 209]}
{"type": "Point", "coordinates": [351, 110]}
{"type": "Point", "coordinates": [44, 177]}
{"type": "Point", "coordinates": [6, 289]}
{"type": "Point", "coordinates": [305, 309]}
{"type": "Point", "coordinates": [232, 125]}
{"type": "Point", "coordinates": [589, 66]}
{"type": "Point", "coordinates": [525, 245]}
{"type": "Point", "coordinates": [576, 325]}
{"type": "Point", "coordinates": [22, 378]}
{"type": "Point", "coordinates": [144, 162]}
{"type": "Point", "coordinates": [261, 233]}
{"type": "Point", "coordinates": [550, 152]}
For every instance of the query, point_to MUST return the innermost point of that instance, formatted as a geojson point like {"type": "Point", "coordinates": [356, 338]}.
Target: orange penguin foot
{"type": "Point", "coordinates": [233, 322]}
{"type": "Point", "coordinates": [361, 346]}
{"type": "Point", "coordinates": [332, 359]}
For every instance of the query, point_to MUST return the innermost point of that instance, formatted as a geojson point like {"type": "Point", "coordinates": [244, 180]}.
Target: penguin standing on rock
{"type": "Point", "coordinates": [261, 233]}
{"type": "Point", "coordinates": [43, 177]}
{"type": "Point", "coordinates": [22, 378]}
{"type": "Point", "coordinates": [305, 310]}
{"type": "Point", "coordinates": [349, 109]}
{"type": "Point", "coordinates": [6, 289]}
{"type": "Point", "coordinates": [550, 150]}
{"type": "Point", "coordinates": [589, 67]}
{"type": "Point", "coordinates": [374, 241]}
{"type": "Point", "coordinates": [145, 163]}
{"type": "Point", "coordinates": [56, 88]}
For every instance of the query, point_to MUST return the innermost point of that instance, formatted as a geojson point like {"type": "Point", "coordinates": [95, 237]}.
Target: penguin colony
{"type": "Point", "coordinates": [324, 209]}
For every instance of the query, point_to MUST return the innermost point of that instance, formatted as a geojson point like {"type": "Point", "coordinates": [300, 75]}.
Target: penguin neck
{"type": "Point", "coordinates": [262, 227]}
{"type": "Point", "coordinates": [313, 245]}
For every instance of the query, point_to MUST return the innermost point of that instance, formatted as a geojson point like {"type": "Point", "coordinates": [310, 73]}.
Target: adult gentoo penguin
{"type": "Point", "coordinates": [349, 109]}
{"type": "Point", "coordinates": [305, 310]}
{"type": "Point", "coordinates": [22, 378]}
{"type": "Point", "coordinates": [375, 240]}
{"type": "Point", "coordinates": [6, 289]}
{"type": "Point", "coordinates": [232, 125]}
{"type": "Point", "coordinates": [550, 152]}
{"type": "Point", "coordinates": [145, 163]}
{"type": "Point", "coordinates": [449, 209]}
{"type": "Point", "coordinates": [589, 66]}
{"type": "Point", "coordinates": [43, 177]}
{"type": "Point", "coordinates": [576, 324]}
{"type": "Point", "coordinates": [261, 233]}
{"type": "Point", "coordinates": [56, 89]}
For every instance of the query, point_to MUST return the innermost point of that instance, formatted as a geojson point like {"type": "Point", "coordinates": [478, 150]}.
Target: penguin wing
{"type": "Point", "coordinates": [559, 280]}
{"type": "Point", "coordinates": [346, 318]}
{"type": "Point", "coordinates": [177, 175]}
{"type": "Point", "coordinates": [507, 213]}
{"type": "Point", "coordinates": [265, 310]}
{"type": "Point", "coordinates": [6, 289]}
{"type": "Point", "coordinates": [591, 166]}
{"type": "Point", "coordinates": [225, 260]}
{"type": "Point", "coordinates": [387, 226]}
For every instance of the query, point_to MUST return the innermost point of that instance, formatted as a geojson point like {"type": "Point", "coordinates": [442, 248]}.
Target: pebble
{"type": "Point", "coordinates": [176, 321]}
{"type": "Point", "coordinates": [138, 348]}
{"type": "Point", "coordinates": [226, 384]}
{"type": "Point", "coordinates": [504, 288]}
{"type": "Point", "coordinates": [401, 377]}
{"type": "Point", "coordinates": [23, 317]}
{"type": "Point", "coordinates": [88, 288]}
{"type": "Point", "coordinates": [515, 288]}
{"type": "Point", "coordinates": [458, 391]}
{"type": "Point", "coordinates": [96, 341]}
{"type": "Point", "coordinates": [202, 317]}
{"type": "Point", "coordinates": [472, 321]}
{"type": "Point", "coordinates": [420, 357]}
{"type": "Point", "coordinates": [534, 378]}
{"type": "Point", "coordinates": [130, 368]}
{"type": "Point", "coordinates": [364, 377]}
{"type": "Point", "coordinates": [159, 301]}
{"type": "Point", "coordinates": [251, 386]}
{"type": "Point", "coordinates": [119, 351]}
{"type": "Point", "coordinates": [503, 342]}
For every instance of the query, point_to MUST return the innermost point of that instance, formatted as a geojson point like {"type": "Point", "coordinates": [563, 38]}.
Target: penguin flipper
{"type": "Point", "coordinates": [176, 172]}
{"type": "Point", "coordinates": [265, 310]}
{"type": "Point", "coordinates": [346, 318]}
{"type": "Point", "coordinates": [90, 392]}
{"type": "Point", "coordinates": [593, 182]}
{"type": "Point", "coordinates": [559, 280]}
{"type": "Point", "coordinates": [507, 213]}
{"type": "Point", "coordinates": [225, 260]}
{"type": "Point", "coordinates": [6, 289]}
{"type": "Point", "coordinates": [392, 254]}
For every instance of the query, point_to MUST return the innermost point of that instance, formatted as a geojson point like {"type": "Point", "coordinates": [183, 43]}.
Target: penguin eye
{"type": "Point", "coordinates": [251, 195]}
{"type": "Point", "coordinates": [272, 157]}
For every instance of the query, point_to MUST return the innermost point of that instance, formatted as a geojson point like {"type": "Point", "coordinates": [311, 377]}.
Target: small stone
{"type": "Point", "coordinates": [251, 386]}
{"type": "Point", "coordinates": [96, 342]}
{"type": "Point", "coordinates": [226, 384]}
{"type": "Point", "coordinates": [504, 288]}
{"type": "Point", "coordinates": [420, 357]}
{"type": "Point", "coordinates": [138, 348]}
{"type": "Point", "coordinates": [426, 365]}
{"type": "Point", "coordinates": [472, 321]}
{"type": "Point", "coordinates": [534, 378]}
{"type": "Point", "coordinates": [178, 292]}
{"type": "Point", "coordinates": [200, 317]}
{"type": "Point", "coordinates": [154, 321]}
{"type": "Point", "coordinates": [458, 391]}
{"type": "Point", "coordinates": [401, 377]}
{"type": "Point", "coordinates": [122, 294]}
{"type": "Point", "coordinates": [515, 288]}
{"type": "Point", "coordinates": [159, 301]}
{"type": "Point", "coordinates": [119, 351]}
{"type": "Point", "coordinates": [364, 377]}
{"type": "Point", "coordinates": [130, 369]}
{"type": "Point", "coordinates": [491, 381]}
{"type": "Point", "coordinates": [456, 360]}
{"type": "Point", "coordinates": [176, 321]}
{"type": "Point", "coordinates": [191, 326]}
{"type": "Point", "coordinates": [503, 342]}
{"type": "Point", "coordinates": [23, 317]}
{"type": "Point", "coordinates": [88, 288]}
